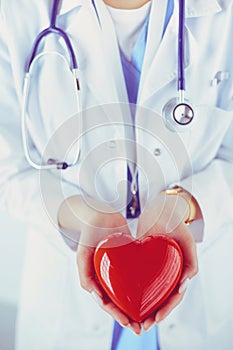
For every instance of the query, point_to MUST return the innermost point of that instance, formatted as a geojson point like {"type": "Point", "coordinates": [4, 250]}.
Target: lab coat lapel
{"type": "Point", "coordinates": [154, 35]}
{"type": "Point", "coordinates": [97, 50]}
{"type": "Point", "coordinates": [198, 8]}
{"type": "Point", "coordinates": [112, 62]}
{"type": "Point", "coordinates": [68, 5]}
{"type": "Point", "coordinates": [101, 77]}
{"type": "Point", "coordinates": [160, 66]}
{"type": "Point", "coordinates": [163, 66]}
{"type": "Point", "coordinates": [115, 77]}
{"type": "Point", "coordinates": [103, 71]}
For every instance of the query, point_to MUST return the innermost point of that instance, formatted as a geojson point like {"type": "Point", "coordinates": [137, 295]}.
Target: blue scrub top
{"type": "Point", "coordinates": [124, 338]}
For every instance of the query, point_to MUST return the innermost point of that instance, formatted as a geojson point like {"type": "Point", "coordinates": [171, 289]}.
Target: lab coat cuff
{"type": "Point", "coordinates": [71, 238]}
{"type": "Point", "coordinates": [212, 192]}
{"type": "Point", "coordinates": [35, 199]}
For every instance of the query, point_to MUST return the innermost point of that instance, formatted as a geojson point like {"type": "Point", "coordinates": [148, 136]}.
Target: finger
{"type": "Point", "coordinates": [144, 226]}
{"type": "Point", "coordinates": [136, 327]}
{"type": "Point", "coordinates": [188, 246]}
{"type": "Point", "coordinates": [148, 323]}
{"type": "Point", "coordinates": [122, 226]}
{"type": "Point", "coordinates": [142, 232]}
{"type": "Point", "coordinates": [116, 313]}
{"type": "Point", "coordinates": [120, 317]}
{"type": "Point", "coordinates": [148, 224]}
{"type": "Point", "coordinates": [171, 303]}
{"type": "Point", "coordinates": [88, 282]}
{"type": "Point", "coordinates": [86, 270]}
{"type": "Point", "coordinates": [184, 285]}
{"type": "Point", "coordinates": [190, 269]}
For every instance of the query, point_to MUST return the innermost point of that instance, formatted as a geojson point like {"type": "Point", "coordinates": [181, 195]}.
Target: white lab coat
{"type": "Point", "coordinates": [55, 313]}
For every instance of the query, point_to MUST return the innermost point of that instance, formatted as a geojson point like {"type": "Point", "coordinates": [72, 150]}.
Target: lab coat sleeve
{"type": "Point", "coordinates": [213, 189]}
{"type": "Point", "coordinates": [24, 192]}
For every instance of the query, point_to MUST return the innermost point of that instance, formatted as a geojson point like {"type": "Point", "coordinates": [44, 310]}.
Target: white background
{"type": "Point", "coordinates": [12, 243]}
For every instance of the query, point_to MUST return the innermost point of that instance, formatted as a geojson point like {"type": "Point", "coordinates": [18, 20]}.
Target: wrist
{"type": "Point", "coordinates": [175, 209]}
{"type": "Point", "coordinates": [77, 212]}
{"type": "Point", "coordinates": [67, 217]}
{"type": "Point", "coordinates": [192, 207]}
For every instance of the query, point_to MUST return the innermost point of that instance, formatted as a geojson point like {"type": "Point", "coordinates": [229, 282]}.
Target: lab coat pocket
{"type": "Point", "coordinates": [216, 264]}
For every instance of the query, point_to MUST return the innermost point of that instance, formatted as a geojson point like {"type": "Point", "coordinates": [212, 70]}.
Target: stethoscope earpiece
{"type": "Point", "coordinates": [177, 116]}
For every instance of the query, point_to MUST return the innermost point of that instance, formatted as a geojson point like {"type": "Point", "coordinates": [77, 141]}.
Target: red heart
{"type": "Point", "coordinates": [138, 275]}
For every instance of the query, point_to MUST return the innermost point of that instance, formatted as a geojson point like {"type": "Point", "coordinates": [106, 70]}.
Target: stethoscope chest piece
{"type": "Point", "coordinates": [178, 116]}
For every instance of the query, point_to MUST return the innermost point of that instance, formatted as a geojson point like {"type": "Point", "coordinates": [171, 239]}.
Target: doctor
{"type": "Point", "coordinates": [55, 313]}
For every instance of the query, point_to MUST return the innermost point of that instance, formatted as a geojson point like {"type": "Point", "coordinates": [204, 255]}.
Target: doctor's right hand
{"type": "Point", "coordinates": [95, 221]}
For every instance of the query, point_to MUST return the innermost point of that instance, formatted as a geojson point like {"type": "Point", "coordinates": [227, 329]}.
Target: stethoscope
{"type": "Point", "coordinates": [72, 66]}
{"type": "Point", "coordinates": [177, 113]}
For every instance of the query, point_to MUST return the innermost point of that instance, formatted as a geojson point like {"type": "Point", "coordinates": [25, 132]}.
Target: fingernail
{"type": "Point", "coordinates": [124, 326]}
{"type": "Point", "coordinates": [148, 329]}
{"type": "Point", "coordinates": [96, 297]}
{"type": "Point", "coordinates": [138, 333]}
{"type": "Point", "coordinates": [184, 285]}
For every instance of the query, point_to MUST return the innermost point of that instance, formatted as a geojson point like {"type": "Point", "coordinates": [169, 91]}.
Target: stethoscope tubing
{"type": "Point", "coordinates": [181, 46]}
{"type": "Point", "coordinates": [52, 29]}
{"type": "Point", "coordinates": [52, 164]}
{"type": "Point", "coordinates": [73, 66]}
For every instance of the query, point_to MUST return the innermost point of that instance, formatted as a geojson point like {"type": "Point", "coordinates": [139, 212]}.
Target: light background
{"type": "Point", "coordinates": [12, 243]}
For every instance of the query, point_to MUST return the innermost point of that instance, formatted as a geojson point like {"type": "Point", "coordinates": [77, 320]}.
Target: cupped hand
{"type": "Point", "coordinates": [167, 214]}
{"type": "Point", "coordinates": [98, 224]}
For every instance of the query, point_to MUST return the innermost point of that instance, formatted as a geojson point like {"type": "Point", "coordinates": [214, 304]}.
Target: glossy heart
{"type": "Point", "coordinates": [138, 275]}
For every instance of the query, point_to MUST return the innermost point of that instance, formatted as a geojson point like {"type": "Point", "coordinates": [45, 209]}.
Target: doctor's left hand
{"type": "Point", "coordinates": [95, 221]}
{"type": "Point", "coordinates": [167, 215]}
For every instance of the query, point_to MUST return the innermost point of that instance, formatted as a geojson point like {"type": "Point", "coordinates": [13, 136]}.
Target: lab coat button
{"type": "Point", "coordinates": [190, 12]}
{"type": "Point", "coordinates": [112, 144]}
{"type": "Point", "coordinates": [157, 152]}
{"type": "Point", "coordinates": [171, 326]}
{"type": "Point", "coordinates": [96, 328]}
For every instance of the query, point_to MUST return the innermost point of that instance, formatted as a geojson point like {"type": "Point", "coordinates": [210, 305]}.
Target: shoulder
{"type": "Point", "coordinates": [226, 4]}
{"type": "Point", "coordinates": [22, 19]}
{"type": "Point", "coordinates": [199, 8]}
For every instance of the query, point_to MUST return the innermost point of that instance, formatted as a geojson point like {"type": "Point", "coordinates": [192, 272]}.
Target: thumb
{"type": "Point", "coordinates": [187, 244]}
{"type": "Point", "coordinates": [86, 272]}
